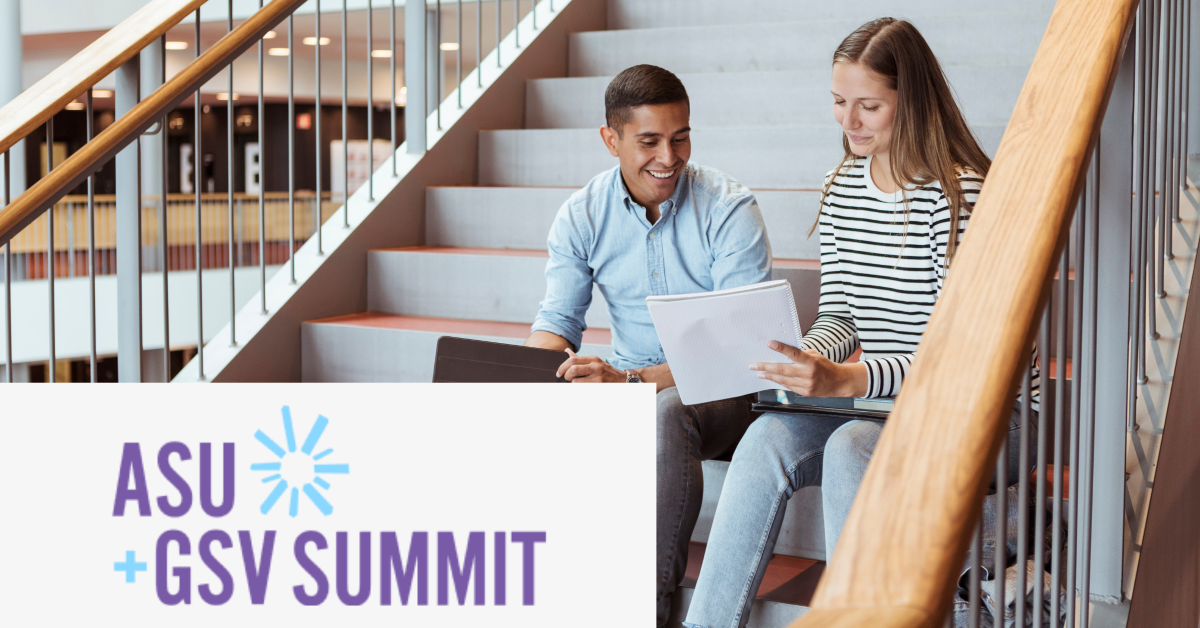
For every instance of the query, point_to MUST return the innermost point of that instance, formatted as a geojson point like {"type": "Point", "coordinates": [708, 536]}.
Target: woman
{"type": "Point", "coordinates": [885, 224]}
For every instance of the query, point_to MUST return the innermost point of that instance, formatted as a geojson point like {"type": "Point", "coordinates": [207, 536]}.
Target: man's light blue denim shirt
{"type": "Point", "coordinates": [710, 236]}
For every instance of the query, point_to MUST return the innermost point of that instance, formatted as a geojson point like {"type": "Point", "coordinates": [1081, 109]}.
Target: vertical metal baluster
{"type": "Point", "coordinates": [345, 126]}
{"type": "Point", "coordinates": [8, 361]}
{"type": "Point", "coordinates": [70, 206]}
{"type": "Point", "coordinates": [292, 150]}
{"type": "Point", "coordinates": [1186, 72]}
{"type": "Point", "coordinates": [441, 63]}
{"type": "Point", "coordinates": [196, 161]}
{"type": "Point", "coordinates": [1023, 497]}
{"type": "Point", "coordinates": [1039, 513]}
{"type": "Point", "coordinates": [516, 23]}
{"type": "Point", "coordinates": [458, 53]}
{"type": "Point", "coordinates": [1179, 154]}
{"type": "Point", "coordinates": [976, 577]}
{"type": "Point", "coordinates": [533, 12]}
{"type": "Point", "coordinates": [262, 181]}
{"type": "Point", "coordinates": [1088, 418]}
{"type": "Point", "coordinates": [50, 246]}
{"type": "Point", "coordinates": [317, 115]}
{"type": "Point", "coordinates": [91, 234]}
{"type": "Point", "coordinates": [392, 45]}
{"type": "Point", "coordinates": [479, 43]}
{"type": "Point", "coordinates": [1001, 562]}
{"type": "Point", "coordinates": [163, 227]}
{"type": "Point", "coordinates": [1060, 393]}
{"type": "Point", "coordinates": [499, 8]}
{"type": "Point", "coordinates": [229, 190]}
{"type": "Point", "coordinates": [1081, 220]}
{"type": "Point", "coordinates": [1163, 160]}
{"type": "Point", "coordinates": [1143, 195]}
{"type": "Point", "coordinates": [1169, 164]}
{"type": "Point", "coordinates": [370, 109]}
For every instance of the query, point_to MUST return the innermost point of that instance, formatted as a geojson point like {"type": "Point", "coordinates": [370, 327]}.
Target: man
{"type": "Point", "coordinates": [655, 224]}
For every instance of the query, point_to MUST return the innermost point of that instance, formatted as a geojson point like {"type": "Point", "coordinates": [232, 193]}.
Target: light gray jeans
{"type": "Point", "coordinates": [778, 455]}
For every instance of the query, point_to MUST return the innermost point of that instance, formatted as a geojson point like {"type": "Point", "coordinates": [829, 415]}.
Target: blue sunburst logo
{"type": "Point", "coordinates": [299, 471]}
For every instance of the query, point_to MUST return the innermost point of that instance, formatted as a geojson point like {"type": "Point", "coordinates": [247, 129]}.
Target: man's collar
{"type": "Point", "coordinates": [669, 204]}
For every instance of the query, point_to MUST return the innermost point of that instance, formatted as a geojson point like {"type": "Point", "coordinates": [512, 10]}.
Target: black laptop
{"type": "Point", "coordinates": [479, 361]}
{"type": "Point", "coordinates": [787, 401]}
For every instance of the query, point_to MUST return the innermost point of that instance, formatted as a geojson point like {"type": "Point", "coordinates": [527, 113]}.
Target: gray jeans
{"type": "Point", "coordinates": [687, 435]}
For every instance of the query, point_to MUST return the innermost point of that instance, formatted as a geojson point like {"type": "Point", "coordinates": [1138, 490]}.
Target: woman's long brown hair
{"type": "Point", "coordinates": [930, 137]}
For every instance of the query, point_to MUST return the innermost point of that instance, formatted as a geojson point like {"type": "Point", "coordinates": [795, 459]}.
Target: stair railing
{"type": "Point", "coordinates": [429, 51]}
{"type": "Point", "coordinates": [1066, 250]}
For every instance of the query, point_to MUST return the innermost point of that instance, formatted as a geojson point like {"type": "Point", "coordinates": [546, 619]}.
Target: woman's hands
{"type": "Point", "coordinates": [812, 374]}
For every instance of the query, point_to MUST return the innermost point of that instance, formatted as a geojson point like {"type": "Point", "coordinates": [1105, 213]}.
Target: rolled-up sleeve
{"type": "Point", "coordinates": [568, 276]}
{"type": "Point", "coordinates": [741, 251]}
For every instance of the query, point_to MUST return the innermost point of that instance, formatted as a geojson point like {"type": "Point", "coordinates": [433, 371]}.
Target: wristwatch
{"type": "Point", "coordinates": [631, 377]}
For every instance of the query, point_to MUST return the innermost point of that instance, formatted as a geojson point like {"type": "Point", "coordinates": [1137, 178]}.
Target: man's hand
{"type": "Point", "coordinates": [589, 369]}
{"type": "Point", "coordinates": [812, 374]}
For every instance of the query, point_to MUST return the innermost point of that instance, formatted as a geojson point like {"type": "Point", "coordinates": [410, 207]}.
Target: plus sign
{"type": "Point", "coordinates": [130, 567]}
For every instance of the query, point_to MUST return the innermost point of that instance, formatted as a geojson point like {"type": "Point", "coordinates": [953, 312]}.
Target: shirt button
{"type": "Point", "coordinates": [656, 275]}
{"type": "Point", "coordinates": [651, 236]}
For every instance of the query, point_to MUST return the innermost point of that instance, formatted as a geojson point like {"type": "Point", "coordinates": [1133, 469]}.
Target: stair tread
{"type": "Point", "coordinates": [788, 580]}
{"type": "Point", "coordinates": [594, 335]}
{"type": "Point", "coordinates": [803, 264]}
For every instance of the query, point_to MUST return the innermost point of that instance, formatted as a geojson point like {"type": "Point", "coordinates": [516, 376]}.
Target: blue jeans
{"type": "Point", "coordinates": [849, 451]}
{"type": "Point", "coordinates": [780, 453]}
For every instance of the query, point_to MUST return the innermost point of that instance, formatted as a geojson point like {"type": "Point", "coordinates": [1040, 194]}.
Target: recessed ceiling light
{"type": "Point", "coordinates": [278, 52]}
{"type": "Point", "coordinates": [177, 45]}
{"type": "Point", "coordinates": [270, 35]}
{"type": "Point", "coordinates": [75, 106]}
{"type": "Point", "coordinates": [450, 46]}
{"type": "Point", "coordinates": [225, 96]}
{"type": "Point", "coordinates": [404, 90]}
{"type": "Point", "coordinates": [381, 54]}
{"type": "Point", "coordinates": [102, 93]}
{"type": "Point", "coordinates": [312, 41]}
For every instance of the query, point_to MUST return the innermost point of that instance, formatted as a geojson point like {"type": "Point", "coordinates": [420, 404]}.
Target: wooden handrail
{"type": "Point", "coordinates": [48, 96]}
{"type": "Point", "coordinates": [909, 528]}
{"type": "Point", "coordinates": [128, 127]}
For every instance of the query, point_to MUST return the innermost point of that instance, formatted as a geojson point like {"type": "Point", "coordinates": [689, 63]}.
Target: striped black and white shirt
{"type": "Point", "coordinates": [880, 273]}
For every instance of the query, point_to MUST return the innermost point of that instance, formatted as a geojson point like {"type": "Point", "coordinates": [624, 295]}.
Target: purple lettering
{"type": "Point", "coordinates": [216, 567]}
{"type": "Point", "coordinates": [184, 574]}
{"type": "Point", "coordinates": [257, 576]}
{"type": "Point", "coordinates": [313, 570]}
{"type": "Point", "coordinates": [472, 562]}
{"type": "Point", "coordinates": [364, 569]}
{"type": "Point", "coordinates": [390, 563]}
{"type": "Point", "coordinates": [131, 466]}
{"type": "Point", "coordinates": [206, 481]}
{"type": "Point", "coordinates": [501, 585]}
{"type": "Point", "coordinates": [528, 539]}
{"type": "Point", "coordinates": [185, 491]}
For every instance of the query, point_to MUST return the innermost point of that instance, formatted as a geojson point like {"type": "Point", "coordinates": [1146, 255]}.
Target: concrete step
{"type": "Point", "coordinates": [786, 158]}
{"type": "Point", "coordinates": [769, 99]}
{"type": "Point", "coordinates": [503, 285]}
{"type": "Point", "coordinates": [520, 218]}
{"type": "Point", "coordinates": [626, 14]}
{"type": "Point", "coordinates": [506, 285]}
{"type": "Point", "coordinates": [999, 40]}
{"type": "Point", "coordinates": [377, 347]}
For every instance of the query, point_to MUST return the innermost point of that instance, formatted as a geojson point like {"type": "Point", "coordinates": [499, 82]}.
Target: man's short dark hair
{"type": "Point", "coordinates": [637, 86]}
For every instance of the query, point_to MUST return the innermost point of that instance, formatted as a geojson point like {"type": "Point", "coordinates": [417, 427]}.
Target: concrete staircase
{"type": "Point", "coordinates": [757, 72]}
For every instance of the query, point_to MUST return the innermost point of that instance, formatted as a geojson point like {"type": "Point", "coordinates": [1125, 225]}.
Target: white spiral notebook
{"type": "Point", "coordinates": [710, 338]}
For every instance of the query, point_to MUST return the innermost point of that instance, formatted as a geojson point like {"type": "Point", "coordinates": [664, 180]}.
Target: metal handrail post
{"type": "Point", "coordinates": [129, 235]}
{"type": "Point", "coordinates": [414, 77]}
